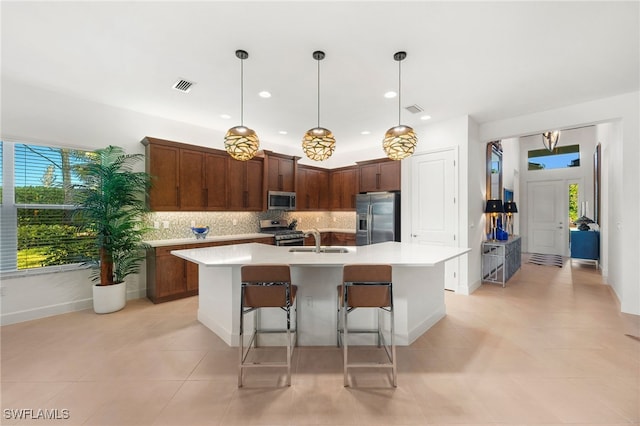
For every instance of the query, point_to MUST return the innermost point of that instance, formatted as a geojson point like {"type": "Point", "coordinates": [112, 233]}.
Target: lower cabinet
{"type": "Point", "coordinates": [170, 277]}
{"type": "Point", "coordinates": [333, 239]}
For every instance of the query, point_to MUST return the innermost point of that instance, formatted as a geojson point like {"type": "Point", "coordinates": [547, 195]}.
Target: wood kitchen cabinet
{"type": "Point", "coordinates": [170, 277]}
{"type": "Point", "coordinates": [162, 163]}
{"type": "Point", "coordinates": [343, 188]}
{"type": "Point", "coordinates": [280, 172]}
{"type": "Point", "coordinates": [313, 188]}
{"type": "Point", "coordinates": [245, 190]}
{"type": "Point", "coordinates": [215, 181]}
{"type": "Point", "coordinates": [343, 239]}
{"type": "Point", "coordinates": [379, 175]}
{"type": "Point", "coordinates": [185, 177]}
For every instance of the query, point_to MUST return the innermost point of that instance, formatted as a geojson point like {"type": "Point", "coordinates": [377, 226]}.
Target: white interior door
{"type": "Point", "coordinates": [547, 213]}
{"type": "Point", "coordinates": [434, 207]}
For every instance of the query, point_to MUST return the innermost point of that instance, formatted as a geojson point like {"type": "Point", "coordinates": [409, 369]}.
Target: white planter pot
{"type": "Point", "coordinates": [109, 298]}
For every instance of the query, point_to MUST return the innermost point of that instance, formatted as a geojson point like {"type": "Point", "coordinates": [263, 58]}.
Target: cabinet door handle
{"type": "Point", "coordinates": [245, 198]}
{"type": "Point", "coordinates": [206, 196]}
{"type": "Point", "coordinates": [280, 183]}
{"type": "Point", "coordinates": [377, 180]}
{"type": "Point", "coordinates": [178, 195]}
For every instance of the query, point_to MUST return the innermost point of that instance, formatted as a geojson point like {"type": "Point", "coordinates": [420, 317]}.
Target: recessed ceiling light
{"type": "Point", "coordinates": [283, 132]}
{"type": "Point", "coordinates": [425, 117]}
{"type": "Point", "coordinates": [390, 95]}
{"type": "Point", "coordinates": [365, 132]}
{"type": "Point", "coordinates": [225, 116]}
{"type": "Point", "coordinates": [264, 94]}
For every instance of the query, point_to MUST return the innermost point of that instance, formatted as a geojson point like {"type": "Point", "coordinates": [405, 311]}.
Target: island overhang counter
{"type": "Point", "coordinates": [418, 286]}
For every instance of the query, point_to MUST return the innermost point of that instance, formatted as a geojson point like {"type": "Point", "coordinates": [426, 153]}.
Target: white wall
{"type": "Point", "coordinates": [622, 179]}
{"type": "Point", "coordinates": [457, 132]}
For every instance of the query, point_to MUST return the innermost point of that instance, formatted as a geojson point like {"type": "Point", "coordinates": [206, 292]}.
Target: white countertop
{"type": "Point", "coordinates": [393, 253]}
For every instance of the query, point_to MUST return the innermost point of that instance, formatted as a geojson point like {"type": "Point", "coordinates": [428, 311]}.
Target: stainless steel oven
{"type": "Point", "coordinates": [284, 233]}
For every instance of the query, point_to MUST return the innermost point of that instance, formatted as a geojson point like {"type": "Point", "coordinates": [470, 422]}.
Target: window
{"type": "Point", "coordinates": [561, 157]}
{"type": "Point", "coordinates": [38, 228]}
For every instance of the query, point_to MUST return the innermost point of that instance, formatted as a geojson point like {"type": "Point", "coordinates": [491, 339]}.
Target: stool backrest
{"type": "Point", "coordinates": [368, 286]}
{"type": "Point", "coordinates": [266, 286]}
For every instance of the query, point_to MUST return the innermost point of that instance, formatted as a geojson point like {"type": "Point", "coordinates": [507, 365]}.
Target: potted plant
{"type": "Point", "coordinates": [111, 203]}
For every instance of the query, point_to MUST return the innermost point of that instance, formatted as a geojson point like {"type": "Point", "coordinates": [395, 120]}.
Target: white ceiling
{"type": "Point", "coordinates": [490, 60]}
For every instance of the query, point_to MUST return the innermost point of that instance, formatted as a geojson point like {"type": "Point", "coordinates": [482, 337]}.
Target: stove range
{"type": "Point", "coordinates": [282, 234]}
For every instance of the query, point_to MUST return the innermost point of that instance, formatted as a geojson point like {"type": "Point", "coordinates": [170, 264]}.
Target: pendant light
{"type": "Point", "coordinates": [318, 143]}
{"type": "Point", "coordinates": [399, 141]}
{"type": "Point", "coordinates": [550, 139]}
{"type": "Point", "coordinates": [241, 142]}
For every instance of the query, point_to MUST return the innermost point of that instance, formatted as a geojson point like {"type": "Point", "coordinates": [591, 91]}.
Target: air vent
{"type": "Point", "coordinates": [414, 109]}
{"type": "Point", "coordinates": [183, 85]}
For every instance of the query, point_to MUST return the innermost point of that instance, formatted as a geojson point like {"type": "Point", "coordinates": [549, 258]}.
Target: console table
{"type": "Point", "coordinates": [585, 245]}
{"type": "Point", "coordinates": [500, 259]}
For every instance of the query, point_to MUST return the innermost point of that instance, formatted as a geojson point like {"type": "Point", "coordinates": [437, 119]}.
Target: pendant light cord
{"type": "Point", "coordinates": [242, 92]}
{"type": "Point", "coordinates": [399, 89]}
{"type": "Point", "coordinates": [318, 60]}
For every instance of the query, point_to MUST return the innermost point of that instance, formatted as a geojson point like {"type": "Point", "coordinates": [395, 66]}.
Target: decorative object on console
{"type": "Point", "coordinates": [200, 232]}
{"type": "Point", "coordinates": [241, 142]}
{"type": "Point", "coordinates": [494, 207]}
{"type": "Point", "coordinates": [510, 208]}
{"type": "Point", "coordinates": [583, 223]}
{"type": "Point", "coordinates": [399, 141]}
{"type": "Point", "coordinates": [318, 143]}
{"type": "Point", "coordinates": [550, 139]}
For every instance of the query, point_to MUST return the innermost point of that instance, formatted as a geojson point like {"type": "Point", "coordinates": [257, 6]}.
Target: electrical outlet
{"type": "Point", "coordinates": [308, 301]}
{"type": "Point", "coordinates": [193, 223]}
{"type": "Point", "coordinates": [235, 222]}
{"type": "Point", "coordinates": [156, 224]}
{"type": "Point", "coordinates": [335, 219]}
{"type": "Point", "coordinates": [165, 224]}
{"type": "Point", "coordinates": [317, 220]}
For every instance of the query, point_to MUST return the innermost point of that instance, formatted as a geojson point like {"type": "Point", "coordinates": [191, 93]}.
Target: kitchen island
{"type": "Point", "coordinates": [418, 287]}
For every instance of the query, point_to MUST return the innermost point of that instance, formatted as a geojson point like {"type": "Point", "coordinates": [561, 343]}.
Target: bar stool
{"type": "Point", "coordinates": [366, 286]}
{"type": "Point", "coordinates": [267, 286]}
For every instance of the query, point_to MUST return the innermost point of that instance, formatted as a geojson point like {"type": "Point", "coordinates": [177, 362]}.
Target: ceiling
{"type": "Point", "coordinates": [489, 60]}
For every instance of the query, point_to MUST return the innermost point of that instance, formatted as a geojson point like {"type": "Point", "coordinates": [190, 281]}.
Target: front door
{"type": "Point", "coordinates": [434, 208]}
{"type": "Point", "coordinates": [547, 216]}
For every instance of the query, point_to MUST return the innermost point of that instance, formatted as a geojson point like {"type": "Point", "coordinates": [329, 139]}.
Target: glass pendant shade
{"type": "Point", "coordinates": [550, 139]}
{"type": "Point", "coordinates": [399, 142]}
{"type": "Point", "coordinates": [241, 143]}
{"type": "Point", "coordinates": [318, 143]}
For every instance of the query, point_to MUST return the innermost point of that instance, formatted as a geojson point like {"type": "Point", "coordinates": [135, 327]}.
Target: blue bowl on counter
{"type": "Point", "coordinates": [200, 232]}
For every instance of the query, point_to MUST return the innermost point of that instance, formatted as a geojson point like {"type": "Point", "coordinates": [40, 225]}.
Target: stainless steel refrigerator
{"type": "Point", "coordinates": [377, 217]}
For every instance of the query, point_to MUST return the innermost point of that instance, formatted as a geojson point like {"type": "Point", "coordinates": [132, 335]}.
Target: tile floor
{"type": "Point", "coordinates": [550, 348]}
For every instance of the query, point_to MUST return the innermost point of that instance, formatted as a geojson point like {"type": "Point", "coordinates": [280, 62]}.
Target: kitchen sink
{"type": "Point", "coordinates": [322, 250]}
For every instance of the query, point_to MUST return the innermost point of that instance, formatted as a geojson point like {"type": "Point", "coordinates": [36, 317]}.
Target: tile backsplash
{"type": "Point", "coordinates": [170, 225]}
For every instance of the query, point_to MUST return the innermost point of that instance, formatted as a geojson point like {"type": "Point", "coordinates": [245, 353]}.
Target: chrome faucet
{"type": "Point", "coordinates": [316, 236]}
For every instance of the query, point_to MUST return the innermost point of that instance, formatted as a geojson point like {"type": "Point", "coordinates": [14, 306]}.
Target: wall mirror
{"type": "Point", "coordinates": [494, 170]}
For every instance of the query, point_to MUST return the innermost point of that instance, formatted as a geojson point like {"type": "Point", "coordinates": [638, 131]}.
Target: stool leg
{"type": "Point", "coordinates": [393, 342]}
{"type": "Point", "coordinates": [345, 334]}
{"type": "Point", "coordinates": [241, 341]}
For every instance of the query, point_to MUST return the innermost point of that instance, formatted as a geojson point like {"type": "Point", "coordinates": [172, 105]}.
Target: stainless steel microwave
{"type": "Point", "coordinates": [278, 200]}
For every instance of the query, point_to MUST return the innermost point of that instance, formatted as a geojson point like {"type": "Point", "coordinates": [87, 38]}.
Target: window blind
{"type": "Point", "coordinates": [47, 234]}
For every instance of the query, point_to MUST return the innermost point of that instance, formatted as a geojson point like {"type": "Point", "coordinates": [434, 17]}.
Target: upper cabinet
{"type": "Point", "coordinates": [245, 190]}
{"type": "Point", "coordinates": [192, 178]}
{"type": "Point", "coordinates": [312, 191]}
{"type": "Point", "coordinates": [379, 175]}
{"type": "Point", "coordinates": [343, 188]}
{"type": "Point", "coordinates": [280, 172]}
